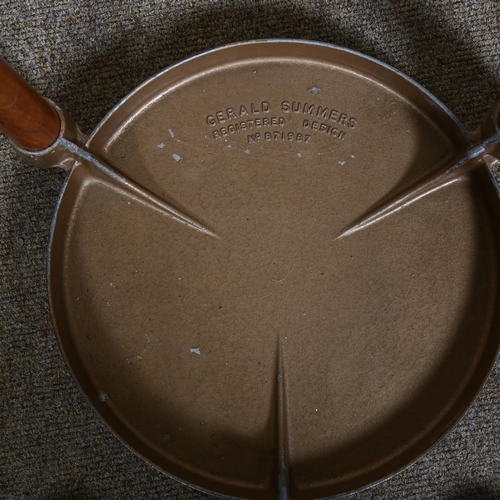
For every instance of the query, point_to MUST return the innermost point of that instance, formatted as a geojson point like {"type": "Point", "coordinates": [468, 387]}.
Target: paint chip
{"type": "Point", "coordinates": [299, 155]}
{"type": "Point", "coordinates": [176, 157]}
{"type": "Point", "coordinates": [147, 337]}
{"type": "Point", "coordinates": [171, 133]}
{"type": "Point", "coordinates": [341, 162]}
{"type": "Point", "coordinates": [352, 156]}
{"type": "Point", "coordinates": [196, 350]}
{"type": "Point", "coordinates": [315, 90]}
{"type": "Point", "coordinates": [160, 145]}
{"type": "Point", "coordinates": [247, 151]}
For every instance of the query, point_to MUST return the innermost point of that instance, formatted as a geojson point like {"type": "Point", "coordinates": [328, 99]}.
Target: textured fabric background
{"type": "Point", "coordinates": [86, 56]}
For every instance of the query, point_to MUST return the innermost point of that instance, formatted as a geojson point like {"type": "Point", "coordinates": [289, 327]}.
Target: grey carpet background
{"type": "Point", "coordinates": [86, 56]}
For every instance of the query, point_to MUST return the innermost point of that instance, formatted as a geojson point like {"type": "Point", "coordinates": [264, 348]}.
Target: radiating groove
{"type": "Point", "coordinates": [130, 187]}
{"type": "Point", "coordinates": [281, 429]}
{"type": "Point", "coordinates": [416, 191]}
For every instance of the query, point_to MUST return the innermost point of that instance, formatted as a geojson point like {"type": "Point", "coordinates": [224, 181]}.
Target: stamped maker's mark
{"type": "Point", "coordinates": [250, 117]}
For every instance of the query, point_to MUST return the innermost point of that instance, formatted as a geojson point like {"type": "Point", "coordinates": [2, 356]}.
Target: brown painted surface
{"type": "Point", "coordinates": [25, 117]}
{"type": "Point", "coordinates": [269, 354]}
